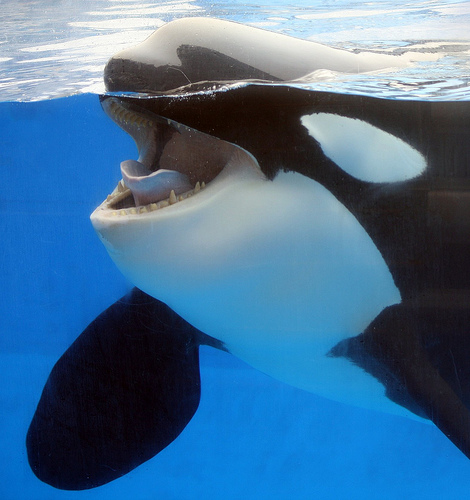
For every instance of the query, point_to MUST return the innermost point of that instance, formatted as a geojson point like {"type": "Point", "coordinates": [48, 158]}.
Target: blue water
{"type": "Point", "coordinates": [252, 437]}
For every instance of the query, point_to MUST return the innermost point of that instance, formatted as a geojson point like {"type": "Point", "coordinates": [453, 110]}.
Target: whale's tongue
{"type": "Point", "coordinates": [150, 187]}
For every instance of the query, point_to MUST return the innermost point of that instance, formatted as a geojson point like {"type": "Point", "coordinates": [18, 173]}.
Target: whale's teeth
{"type": "Point", "coordinates": [118, 196]}
{"type": "Point", "coordinates": [122, 191]}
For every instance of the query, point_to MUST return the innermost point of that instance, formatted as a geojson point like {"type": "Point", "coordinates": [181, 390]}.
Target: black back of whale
{"type": "Point", "coordinates": [142, 357]}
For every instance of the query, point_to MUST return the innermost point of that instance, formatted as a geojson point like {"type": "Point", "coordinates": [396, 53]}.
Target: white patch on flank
{"type": "Point", "coordinates": [362, 150]}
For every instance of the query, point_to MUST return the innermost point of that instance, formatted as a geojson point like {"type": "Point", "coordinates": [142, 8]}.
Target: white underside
{"type": "Point", "coordinates": [280, 271]}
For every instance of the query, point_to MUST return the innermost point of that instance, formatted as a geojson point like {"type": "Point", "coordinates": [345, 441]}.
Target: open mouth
{"type": "Point", "coordinates": [175, 162]}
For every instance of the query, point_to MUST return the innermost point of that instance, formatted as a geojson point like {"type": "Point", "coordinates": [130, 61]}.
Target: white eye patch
{"type": "Point", "coordinates": [362, 150]}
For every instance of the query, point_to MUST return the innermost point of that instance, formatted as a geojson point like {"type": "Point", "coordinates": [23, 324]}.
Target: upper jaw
{"type": "Point", "coordinates": [175, 163]}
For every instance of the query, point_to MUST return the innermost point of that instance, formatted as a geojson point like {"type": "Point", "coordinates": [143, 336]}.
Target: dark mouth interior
{"type": "Point", "coordinates": [127, 202]}
{"type": "Point", "coordinates": [173, 158]}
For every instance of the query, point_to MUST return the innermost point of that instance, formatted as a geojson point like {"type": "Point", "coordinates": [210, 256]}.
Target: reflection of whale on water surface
{"type": "Point", "coordinates": [320, 237]}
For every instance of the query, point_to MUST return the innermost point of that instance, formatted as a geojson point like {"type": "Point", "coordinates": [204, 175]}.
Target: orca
{"type": "Point", "coordinates": [321, 237]}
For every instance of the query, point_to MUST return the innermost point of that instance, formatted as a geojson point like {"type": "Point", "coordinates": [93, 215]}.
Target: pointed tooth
{"type": "Point", "coordinates": [163, 204]}
{"type": "Point", "coordinates": [143, 210]}
{"type": "Point", "coordinates": [114, 213]}
{"type": "Point", "coordinates": [133, 211]}
{"type": "Point", "coordinates": [203, 185]}
{"type": "Point", "coordinates": [153, 206]}
{"type": "Point", "coordinates": [197, 187]}
{"type": "Point", "coordinates": [122, 212]}
{"type": "Point", "coordinates": [172, 197]}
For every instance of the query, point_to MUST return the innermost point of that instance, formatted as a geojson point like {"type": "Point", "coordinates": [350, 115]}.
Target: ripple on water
{"type": "Point", "coordinates": [56, 48]}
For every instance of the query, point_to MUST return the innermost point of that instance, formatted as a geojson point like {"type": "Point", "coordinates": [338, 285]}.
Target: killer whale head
{"type": "Point", "coordinates": [191, 167]}
{"type": "Point", "coordinates": [245, 227]}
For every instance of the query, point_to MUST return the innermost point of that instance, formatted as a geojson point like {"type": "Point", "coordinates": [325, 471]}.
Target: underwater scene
{"type": "Point", "coordinates": [236, 250]}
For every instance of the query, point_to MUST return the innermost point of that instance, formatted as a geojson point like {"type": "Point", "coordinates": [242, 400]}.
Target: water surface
{"type": "Point", "coordinates": [58, 48]}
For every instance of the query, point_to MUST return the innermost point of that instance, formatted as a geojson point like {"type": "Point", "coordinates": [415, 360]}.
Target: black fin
{"type": "Point", "coordinates": [122, 392]}
{"type": "Point", "coordinates": [354, 349]}
{"type": "Point", "coordinates": [428, 351]}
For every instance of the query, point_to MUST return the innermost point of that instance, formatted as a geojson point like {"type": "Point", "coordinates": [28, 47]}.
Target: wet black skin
{"type": "Point", "coordinates": [123, 391]}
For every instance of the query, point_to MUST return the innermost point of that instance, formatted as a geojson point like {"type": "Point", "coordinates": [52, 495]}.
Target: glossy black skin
{"type": "Point", "coordinates": [123, 391]}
